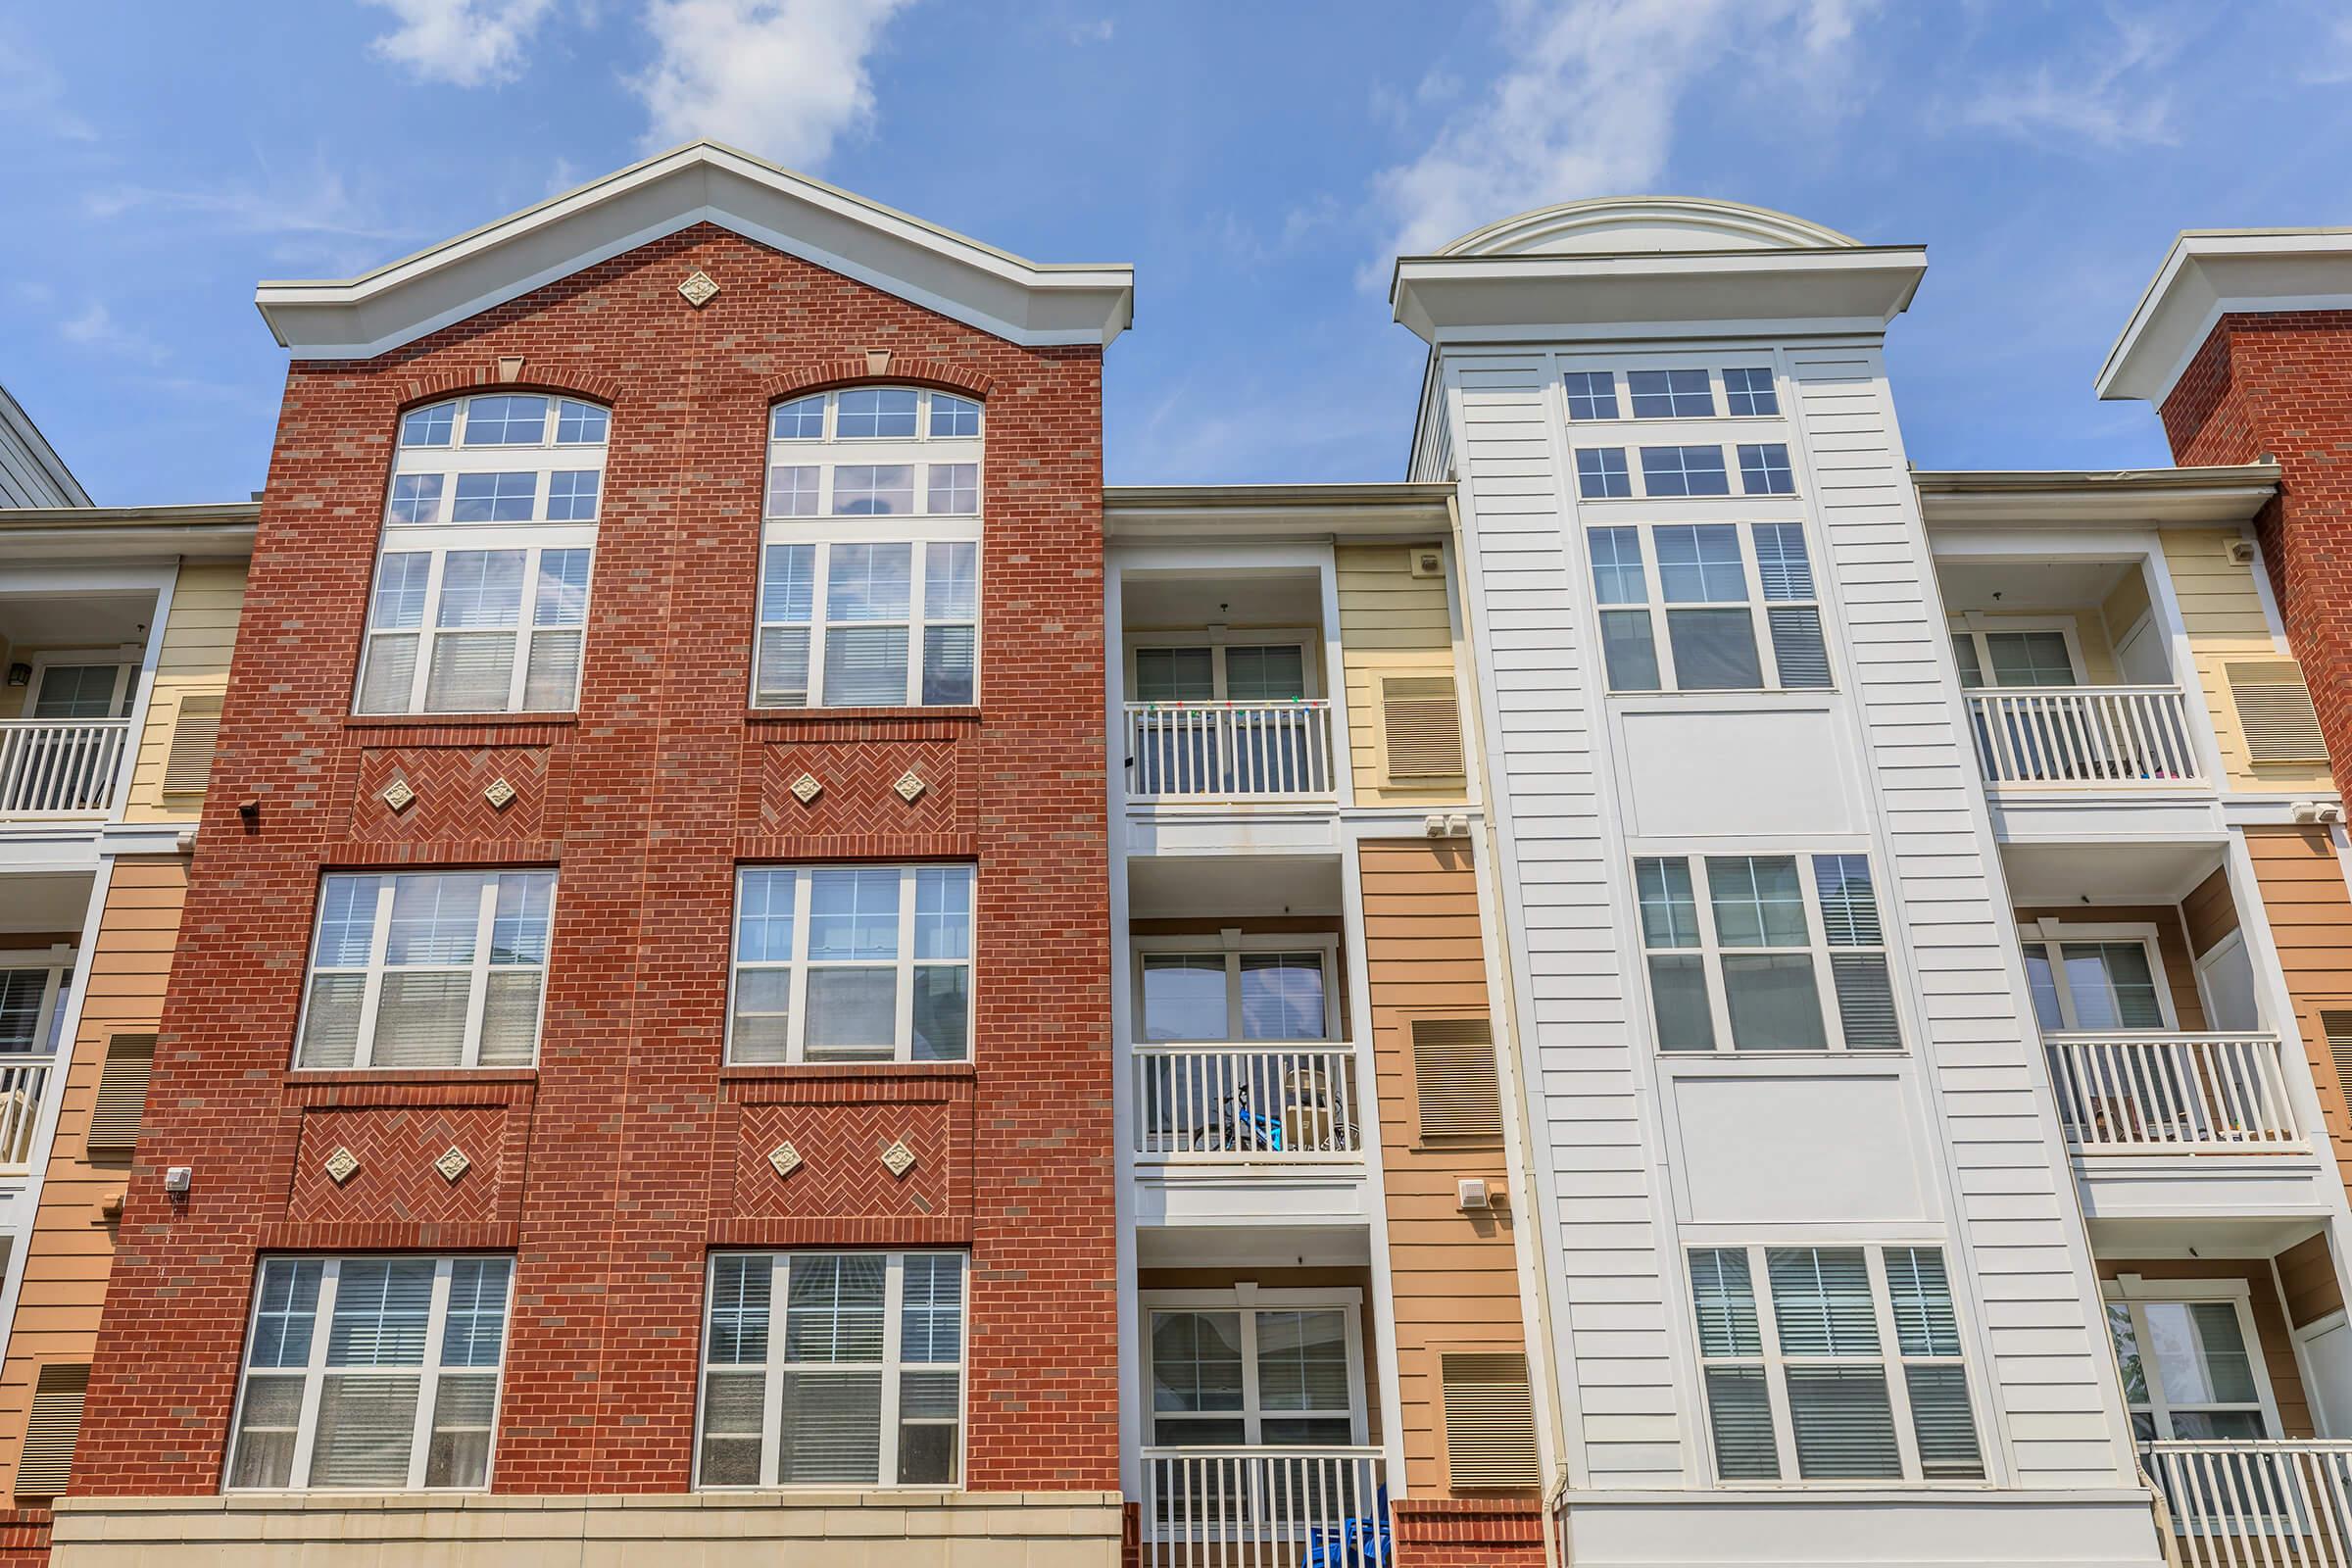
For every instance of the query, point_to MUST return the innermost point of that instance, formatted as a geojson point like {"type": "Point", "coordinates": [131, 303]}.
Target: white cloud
{"type": "Point", "coordinates": [33, 96]}
{"type": "Point", "coordinates": [323, 204]}
{"type": "Point", "coordinates": [1589, 106]}
{"type": "Point", "coordinates": [1097, 32]}
{"type": "Point", "coordinates": [96, 329]}
{"type": "Point", "coordinates": [2106, 98]}
{"type": "Point", "coordinates": [467, 43]}
{"type": "Point", "coordinates": [781, 78]}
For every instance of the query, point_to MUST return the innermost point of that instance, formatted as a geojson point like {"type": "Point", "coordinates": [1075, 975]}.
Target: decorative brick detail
{"type": "Point", "coordinates": [454, 800]}
{"type": "Point", "coordinates": [861, 795]}
{"type": "Point", "coordinates": [906, 370]}
{"type": "Point", "coordinates": [397, 1178]}
{"type": "Point", "coordinates": [842, 1174]}
{"type": "Point", "coordinates": [538, 375]}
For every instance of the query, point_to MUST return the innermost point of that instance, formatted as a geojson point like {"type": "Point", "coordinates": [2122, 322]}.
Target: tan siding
{"type": "Point", "coordinates": [2125, 604]}
{"type": "Point", "coordinates": [2210, 914]}
{"type": "Point", "coordinates": [1390, 623]}
{"type": "Point", "coordinates": [1453, 1277]}
{"type": "Point", "coordinates": [2222, 610]}
{"type": "Point", "coordinates": [2310, 916]}
{"type": "Point", "coordinates": [71, 1248]}
{"type": "Point", "coordinates": [2172, 946]}
{"type": "Point", "coordinates": [2270, 1322]}
{"type": "Point", "coordinates": [193, 659]}
{"type": "Point", "coordinates": [2307, 1274]}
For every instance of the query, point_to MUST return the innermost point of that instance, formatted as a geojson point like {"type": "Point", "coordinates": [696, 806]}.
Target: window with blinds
{"type": "Point", "coordinates": [480, 602]}
{"type": "Point", "coordinates": [1489, 1421]}
{"type": "Point", "coordinates": [2274, 708]}
{"type": "Point", "coordinates": [51, 1432]}
{"type": "Point", "coordinates": [852, 964]}
{"type": "Point", "coordinates": [1686, 606]}
{"type": "Point", "coordinates": [121, 1094]}
{"type": "Point", "coordinates": [1456, 1089]}
{"type": "Point", "coordinates": [427, 969]}
{"type": "Point", "coordinates": [1766, 953]}
{"type": "Point", "coordinates": [869, 577]}
{"type": "Point", "coordinates": [841, 1369]}
{"type": "Point", "coordinates": [371, 1373]}
{"type": "Point", "coordinates": [1833, 1363]}
{"type": "Point", "coordinates": [1421, 719]}
{"type": "Point", "coordinates": [195, 734]}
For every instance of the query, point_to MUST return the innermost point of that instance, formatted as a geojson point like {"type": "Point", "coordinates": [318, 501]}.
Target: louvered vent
{"type": "Point", "coordinates": [1455, 1079]}
{"type": "Point", "coordinates": [49, 1436]}
{"type": "Point", "coordinates": [2339, 1029]}
{"type": "Point", "coordinates": [122, 1093]}
{"type": "Point", "coordinates": [2273, 707]}
{"type": "Point", "coordinates": [1490, 1422]}
{"type": "Point", "coordinates": [1423, 717]}
{"type": "Point", "coordinates": [194, 735]}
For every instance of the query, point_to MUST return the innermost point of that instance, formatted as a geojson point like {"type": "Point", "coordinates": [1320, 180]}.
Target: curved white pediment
{"type": "Point", "coordinates": [1618, 226]}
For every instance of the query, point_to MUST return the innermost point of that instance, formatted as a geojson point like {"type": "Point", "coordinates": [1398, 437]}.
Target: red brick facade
{"type": "Point", "coordinates": [611, 1168]}
{"type": "Point", "coordinates": [2281, 384]}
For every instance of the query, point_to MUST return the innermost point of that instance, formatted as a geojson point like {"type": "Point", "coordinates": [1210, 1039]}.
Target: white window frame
{"type": "Point", "coordinates": [918, 529]}
{"type": "Point", "coordinates": [1231, 945]}
{"type": "Point", "coordinates": [1977, 626]}
{"type": "Point", "coordinates": [1711, 952]}
{"type": "Point", "coordinates": [1759, 609]}
{"type": "Point", "coordinates": [2137, 1293]}
{"type": "Point", "coordinates": [1891, 1359]}
{"type": "Point", "coordinates": [905, 964]}
{"type": "Point", "coordinates": [441, 536]}
{"type": "Point", "coordinates": [478, 993]}
{"type": "Point", "coordinates": [1620, 371]}
{"type": "Point", "coordinates": [55, 965]}
{"type": "Point", "coordinates": [126, 658]}
{"type": "Point", "coordinates": [1305, 639]}
{"type": "Point", "coordinates": [315, 1372]}
{"type": "Point", "coordinates": [2049, 934]}
{"type": "Point", "coordinates": [891, 1366]}
{"type": "Point", "coordinates": [1248, 1300]}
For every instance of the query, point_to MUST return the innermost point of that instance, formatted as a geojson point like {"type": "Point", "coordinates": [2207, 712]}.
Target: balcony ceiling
{"type": "Point", "coordinates": [1224, 598]}
{"type": "Point", "coordinates": [2026, 585]}
{"type": "Point", "coordinates": [2142, 871]}
{"type": "Point", "coordinates": [92, 621]}
{"type": "Point", "coordinates": [1231, 886]}
{"type": "Point", "coordinates": [45, 903]}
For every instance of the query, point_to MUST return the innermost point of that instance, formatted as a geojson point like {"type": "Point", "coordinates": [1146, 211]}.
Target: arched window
{"type": "Point", "coordinates": [869, 573]}
{"type": "Point", "coordinates": [481, 582]}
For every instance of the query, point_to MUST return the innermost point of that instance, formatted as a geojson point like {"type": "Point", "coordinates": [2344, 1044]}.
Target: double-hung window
{"type": "Point", "coordinates": [481, 586]}
{"type": "Point", "coordinates": [427, 969]}
{"type": "Point", "coordinates": [373, 1373]}
{"type": "Point", "coordinates": [2191, 1365]}
{"type": "Point", "coordinates": [1286, 1371]}
{"type": "Point", "coordinates": [1277, 989]}
{"type": "Point", "coordinates": [852, 963]}
{"type": "Point", "coordinates": [2095, 978]}
{"type": "Point", "coordinates": [1780, 952]}
{"type": "Point", "coordinates": [863, 1386]}
{"type": "Point", "coordinates": [1845, 1365]}
{"type": "Point", "coordinates": [1719, 591]}
{"type": "Point", "coordinates": [869, 577]}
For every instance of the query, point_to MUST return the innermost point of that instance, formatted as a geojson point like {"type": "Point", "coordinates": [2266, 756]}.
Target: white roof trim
{"type": "Point", "coordinates": [702, 181]}
{"type": "Point", "coordinates": [2210, 273]}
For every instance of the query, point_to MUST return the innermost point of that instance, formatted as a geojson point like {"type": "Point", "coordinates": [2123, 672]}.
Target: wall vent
{"type": "Point", "coordinates": [2338, 1026]}
{"type": "Point", "coordinates": [1490, 1422]}
{"type": "Point", "coordinates": [49, 1436]}
{"type": "Point", "coordinates": [1423, 717]}
{"type": "Point", "coordinates": [1455, 1079]}
{"type": "Point", "coordinates": [2273, 707]}
{"type": "Point", "coordinates": [122, 1093]}
{"type": "Point", "coordinates": [195, 735]}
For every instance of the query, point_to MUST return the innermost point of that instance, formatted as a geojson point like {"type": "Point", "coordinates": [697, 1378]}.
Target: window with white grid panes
{"type": "Point", "coordinates": [373, 1374]}
{"type": "Point", "coordinates": [1833, 1363]}
{"type": "Point", "coordinates": [852, 964]}
{"type": "Point", "coordinates": [481, 598]}
{"type": "Point", "coordinates": [860, 1384]}
{"type": "Point", "coordinates": [1765, 953]}
{"type": "Point", "coordinates": [427, 969]}
{"type": "Point", "coordinates": [869, 582]}
{"type": "Point", "coordinates": [1698, 607]}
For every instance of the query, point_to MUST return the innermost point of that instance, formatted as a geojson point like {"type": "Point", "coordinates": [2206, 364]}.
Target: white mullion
{"type": "Point", "coordinates": [425, 624]}
{"type": "Point", "coordinates": [498, 1384]}
{"type": "Point", "coordinates": [894, 1296]}
{"type": "Point", "coordinates": [820, 579]}
{"type": "Point", "coordinates": [771, 1396]}
{"type": "Point", "coordinates": [1710, 951]}
{"type": "Point", "coordinates": [518, 673]}
{"type": "Point", "coordinates": [796, 996]}
{"type": "Point", "coordinates": [918, 563]}
{"type": "Point", "coordinates": [1817, 945]}
{"type": "Point", "coordinates": [2159, 1407]}
{"type": "Point", "coordinates": [1653, 600]}
{"type": "Point", "coordinates": [372, 991]}
{"type": "Point", "coordinates": [1252, 1418]}
{"type": "Point", "coordinates": [429, 1374]}
{"type": "Point", "coordinates": [1751, 573]}
{"type": "Point", "coordinates": [1233, 996]}
{"type": "Point", "coordinates": [1774, 1365]}
{"type": "Point", "coordinates": [314, 1374]}
{"type": "Point", "coordinates": [903, 988]}
{"type": "Point", "coordinates": [477, 985]}
{"type": "Point", "coordinates": [1892, 1364]}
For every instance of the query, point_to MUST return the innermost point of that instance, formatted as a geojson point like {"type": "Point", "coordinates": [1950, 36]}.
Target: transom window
{"type": "Point", "coordinates": [481, 585]}
{"type": "Point", "coordinates": [2191, 1367]}
{"type": "Point", "coordinates": [1267, 988]}
{"type": "Point", "coordinates": [883, 612]}
{"type": "Point", "coordinates": [427, 969]}
{"type": "Point", "coordinates": [1287, 1370]}
{"type": "Point", "coordinates": [1784, 953]}
{"type": "Point", "coordinates": [1848, 1366]}
{"type": "Point", "coordinates": [852, 963]}
{"type": "Point", "coordinates": [1721, 592]}
{"type": "Point", "coordinates": [2095, 978]}
{"type": "Point", "coordinates": [399, 1392]}
{"type": "Point", "coordinates": [1748, 391]}
{"type": "Point", "coordinates": [863, 1387]}
{"type": "Point", "coordinates": [1602, 473]}
{"type": "Point", "coordinates": [1671, 394]}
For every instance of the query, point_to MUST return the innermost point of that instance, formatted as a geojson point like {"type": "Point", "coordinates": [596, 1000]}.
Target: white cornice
{"type": "Point", "coordinates": [2210, 273]}
{"type": "Point", "coordinates": [702, 181]}
{"type": "Point", "coordinates": [2079, 497]}
{"type": "Point", "coordinates": [1135, 514]}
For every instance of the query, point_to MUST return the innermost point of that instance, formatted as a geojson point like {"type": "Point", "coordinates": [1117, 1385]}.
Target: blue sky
{"type": "Point", "coordinates": [1259, 163]}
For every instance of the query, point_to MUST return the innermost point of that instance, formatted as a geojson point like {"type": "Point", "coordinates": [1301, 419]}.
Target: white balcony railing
{"type": "Point", "coordinates": [2086, 737]}
{"type": "Point", "coordinates": [2287, 1504]}
{"type": "Point", "coordinates": [1259, 1103]}
{"type": "Point", "coordinates": [2134, 1093]}
{"type": "Point", "coordinates": [1229, 751]}
{"type": "Point", "coordinates": [1263, 1508]}
{"type": "Point", "coordinates": [23, 1082]}
{"type": "Point", "coordinates": [60, 768]}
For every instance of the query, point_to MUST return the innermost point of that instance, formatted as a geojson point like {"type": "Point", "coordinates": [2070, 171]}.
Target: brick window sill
{"type": "Point", "coordinates": [807, 1071]}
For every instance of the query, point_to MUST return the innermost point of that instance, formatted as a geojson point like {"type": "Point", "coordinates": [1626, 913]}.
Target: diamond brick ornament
{"type": "Point", "coordinates": [341, 1163]}
{"type": "Point", "coordinates": [785, 1158]}
{"type": "Point", "coordinates": [897, 1159]}
{"type": "Point", "coordinates": [453, 1163]}
{"type": "Point", "coordinates": [805, 788]}
{"type": "Point", "coordinates": [398, 795]}
{"type": "Point", "coordinates": [699, 289]}
{"type": "Point", "coordinates": [908, 786]}
{"type": "Point", "coordinates": [500, 793]}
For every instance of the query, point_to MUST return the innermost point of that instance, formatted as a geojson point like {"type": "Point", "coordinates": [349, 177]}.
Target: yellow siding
{"type": "Point", "coordinates": [2125, 603]}
{"type": "Point", "coordinates": [1390, 623]}
{"type": "Point", "coordinates": [194, 658]}
{"type": "Point", "coordinates": [2222, 610]}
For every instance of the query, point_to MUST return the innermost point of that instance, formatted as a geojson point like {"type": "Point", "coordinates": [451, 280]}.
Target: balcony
{"type": "Point", "coordinates": [2085, 738]}
{"type": "Point", "coordinates": [61, 769]}
{"type": "Point", "coordinates": [1212, 753]}
{"type": "Point", "coordinates": [2288, 1504]}
{"type": "Point", "coordinates": [1252, 1104]}
{"type": "Point", "coordinates": [2162, 1094]}
{"type": "Point", "coordinates": [23, 1082]}
{"type": "Point", "coordinates": [1244, 1508]}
